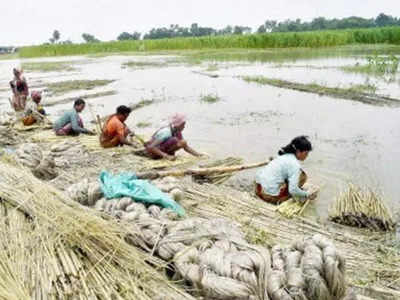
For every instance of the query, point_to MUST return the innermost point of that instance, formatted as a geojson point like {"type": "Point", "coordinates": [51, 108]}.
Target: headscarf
{"type": "Point", "coordinates": [177, 120]}
{"type": "Point", "coordinates": [18, 71]}
{"type": "Point", "coordinates": [36, 95]}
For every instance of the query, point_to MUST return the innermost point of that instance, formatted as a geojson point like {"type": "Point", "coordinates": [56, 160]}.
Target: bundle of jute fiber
{"type": "Point", "coordinates": [69, 153]}
{"type": "Point", "coordinates": [213, 256]}
{"type": "Point", "coordinates": [170, 185]}
{"type": "Point", "coordinates": [225, 267]}
{"type": "Point", "coordinates": [29, 155]}
{"type": "Point", "coordinates": [54, 248]}
{"type": "Point", "coordinates": [362, 207]}
{"type": "Point", "coordinates": [41, 164]}
{"type": "Point", "coordinates": [7, 118]}
{"type": "Point", "coordinates": [310, 269]}
{"type": "Point", "coordinates": [87, 192]}
{"type": "Point", "coordinates": [8, 136]}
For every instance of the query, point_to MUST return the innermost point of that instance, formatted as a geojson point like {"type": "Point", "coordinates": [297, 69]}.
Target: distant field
{"type": "Point", "coordinates": [312, 39]}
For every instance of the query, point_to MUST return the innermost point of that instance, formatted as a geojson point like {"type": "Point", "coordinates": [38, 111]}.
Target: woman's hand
{"type": "Point", "coordinates": [204, 155]}
{"type": "Point", "coordinates": [312, 190]}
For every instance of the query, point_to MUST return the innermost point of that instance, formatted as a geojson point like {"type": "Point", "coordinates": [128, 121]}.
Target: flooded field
{"type": "Point", "coordinates": [352, 141]}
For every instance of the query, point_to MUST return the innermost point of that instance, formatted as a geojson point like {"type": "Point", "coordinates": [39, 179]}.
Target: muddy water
{"type": "Point", "coordinates": [352, 141]}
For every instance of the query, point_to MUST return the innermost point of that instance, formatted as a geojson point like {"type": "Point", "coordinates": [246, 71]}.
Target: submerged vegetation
{"type": "Point", "coordinates": [62, 87]}
{"type": "Point", "coordinates": [210, 98]}
{"type": "Point", "coordinates": [363, 92]}
{"type": "Point", "coordinates": [312, 39]}
{"type": "Point", "coordinates": [212, 68]}
{"type": "Point", "coordinates": [85, 97]}
{"type": "Point", "coordinates": [143, 64]}
{"type": "Point", "coordinates": [142, 103]}
{"type": "Point", "coordinates": [48, 66]}
{"type": "Point", "coordinates": [377, 65]}
{"type": "Point", "coordinates": [9, 56]}
{"type": "Point", "coordinates": [143, 124]}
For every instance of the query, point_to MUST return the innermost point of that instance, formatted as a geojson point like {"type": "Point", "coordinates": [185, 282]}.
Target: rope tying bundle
{"type": "Point", "coordinates": [213, 256]}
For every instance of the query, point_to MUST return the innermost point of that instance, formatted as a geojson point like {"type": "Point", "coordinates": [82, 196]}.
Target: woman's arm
{"type": "Point", "coordinates": [294, 189]}
{"type": "Point", "coordinates": [75, 125]}
{"type": "Point", "coordinates": [190, 150]}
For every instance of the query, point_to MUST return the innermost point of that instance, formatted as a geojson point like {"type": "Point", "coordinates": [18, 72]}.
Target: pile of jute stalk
{"type": "Point", "coordinates": [291, 208]}
{"type": "Point", "coordinates": [362, 207]}
{"type": "Point", "coordinates": [296, 207]}
{"type": "Point", "coordinates": [218, 178]}
{"type": "Point", "coordinates": [53, 248]}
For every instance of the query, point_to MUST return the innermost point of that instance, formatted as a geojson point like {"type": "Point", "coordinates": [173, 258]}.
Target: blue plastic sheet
{"type": "Point", "coordinates": [127, 185]}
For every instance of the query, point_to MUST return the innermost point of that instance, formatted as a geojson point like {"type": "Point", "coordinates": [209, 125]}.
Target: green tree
{"type": "Point", "coordinates": [56, 36]}
{"type": "Point", "coordinates": [261, 29]}
{"type": "Point", "coordinates": [241, 29]}
{"type": "Point", "coordinates": [88, 38]}
{"type": "Point", "coordinates": [270, 25]}
{"type": "Point", "coordinates": [129, 36]}
{"type": "Point", "coordinates": [384, 20]}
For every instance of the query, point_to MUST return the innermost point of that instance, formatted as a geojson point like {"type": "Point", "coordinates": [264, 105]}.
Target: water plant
{"type": "Point", "coordinates": [210, 98]}
{"type": "Point", "coordinates": [63, 87]}
{"type": "Point", "coordinates": [48, 66]}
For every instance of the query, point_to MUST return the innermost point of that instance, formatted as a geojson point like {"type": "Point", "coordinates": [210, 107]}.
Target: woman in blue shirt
{"type": "Point", "coordinates": [283, 177]}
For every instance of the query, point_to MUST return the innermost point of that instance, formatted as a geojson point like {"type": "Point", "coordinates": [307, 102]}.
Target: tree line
{"type": "Point", "coordinates": [322, 23]}
{"type": "Point", "coordinates": [174, 30]}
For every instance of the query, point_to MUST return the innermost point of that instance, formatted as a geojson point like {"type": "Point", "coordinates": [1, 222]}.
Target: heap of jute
{"type": "Point", "coordinates": [8, 136]}
{"type": "Point", "coordinates": [213, 256]}
{"type": "Point", "coordinates": [362, 207]}
{"type": "Point", "coordinates": [41, 164]}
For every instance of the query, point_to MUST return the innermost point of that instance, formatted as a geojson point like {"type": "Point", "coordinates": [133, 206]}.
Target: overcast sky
{"type": "Point", "coordinates": [25, 22]}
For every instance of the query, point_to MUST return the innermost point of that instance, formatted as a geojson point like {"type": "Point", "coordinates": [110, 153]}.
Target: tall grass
{"type": "Point", "coordinates": [312, 39]}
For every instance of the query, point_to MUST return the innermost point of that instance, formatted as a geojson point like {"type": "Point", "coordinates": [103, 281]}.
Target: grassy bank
{"type": "Point", "coordinates": [314, 39]}
{"type": "Point", "coordinates": [361, 93]}
{"type": "Point", "coordinates": [48, 66]}
{"type": "Point", "coordinates": [62, 87]}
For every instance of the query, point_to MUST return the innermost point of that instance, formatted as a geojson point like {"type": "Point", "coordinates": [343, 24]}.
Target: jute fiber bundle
{"type": "Point", "coordinates": [226, 266]}
{"type": "Point", "coordinates": [88, 192]}
{"type": "Point", "coordinates": [54, 248]}
{"type": "Point", "coordinates": [362, 207]}
{"type": "Point", "coordinates": [213, 256]}
{"type": "Point", "coordinates": [41, 164]}
{"type": "Point", "coordinates": [69, 152]}
{"type": "Point", "coordinates": [8, 136]}
{"type": "Point", "coordinates": [7, 118]}
{"type": "Point", "coordinates": [310, 269]}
